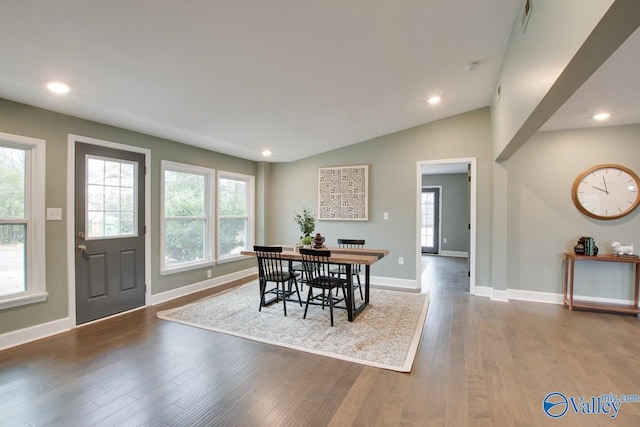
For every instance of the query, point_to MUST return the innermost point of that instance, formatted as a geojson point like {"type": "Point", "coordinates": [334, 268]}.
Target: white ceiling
{"type": "Point", "coordinates": [614, 88]}
{"type": "Point", "coordinates": [298, 77]}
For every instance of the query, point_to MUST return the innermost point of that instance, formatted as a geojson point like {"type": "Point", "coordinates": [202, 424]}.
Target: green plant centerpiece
{"type": "Point", "coordinates": [307, 223]}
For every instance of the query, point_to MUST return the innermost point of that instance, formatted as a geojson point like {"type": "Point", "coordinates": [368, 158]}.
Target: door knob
{"type": "Point", "coordinates": [81, 248]}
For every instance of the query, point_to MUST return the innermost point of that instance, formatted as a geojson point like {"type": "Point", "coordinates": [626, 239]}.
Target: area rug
{"type": "Point", "coordinates": [386, 334]}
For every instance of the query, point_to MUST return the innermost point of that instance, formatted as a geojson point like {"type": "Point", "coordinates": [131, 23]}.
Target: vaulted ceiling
{"type": "Point", "coordinates": [239, 77]}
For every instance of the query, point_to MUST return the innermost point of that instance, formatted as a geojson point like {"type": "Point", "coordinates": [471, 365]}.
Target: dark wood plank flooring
{"type": "Point", "coordinates": [480, 363]}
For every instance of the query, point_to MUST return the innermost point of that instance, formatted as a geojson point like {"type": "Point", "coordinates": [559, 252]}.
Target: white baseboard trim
{"type": "Point", "coordinates": [553, 298]}
{"type": "Point", "coordinates": [392, 282]}
{"type": "Point", "coordinates": [534, 296]}
{"type": "Point", "coordinates": [32, 333]}
{"type": "Point", "coordinates": [457, 254]}
{"type": "Point", "coordinates": [497, 295]}
{"type": "Point", "coordinates": [200, 286]}
{"type": "Point", "coordinates": [483, 291]}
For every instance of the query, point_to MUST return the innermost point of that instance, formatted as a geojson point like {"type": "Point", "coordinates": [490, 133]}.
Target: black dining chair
{"type": "Point", "coordinates": [270, 270]}
{"type": "Point", "coordinates": [298, 267]}
{"type": "Point", "coordinates": [318, 275]}
{"type": "Point", "coordinates": [341, 270]}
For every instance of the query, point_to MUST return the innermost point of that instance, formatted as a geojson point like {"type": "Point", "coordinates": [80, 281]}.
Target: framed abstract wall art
{"type": "Point", "coordinates": [343, 193]}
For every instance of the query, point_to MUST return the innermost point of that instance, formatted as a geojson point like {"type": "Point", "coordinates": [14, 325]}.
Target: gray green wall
{"type": "Point", "coordinates": [543, 222]}
{"type": "Point", "coordinates": [534, 62]}
{"type": "Point", "coordinates": [538, 216]}
{"type": "Point", "coordinates": [454, 222]}
{"type": "Point", "coordinates": [535, 209]}
{"type": "Point", "coordinates": [393, 188]}
{"type": "Point", "coordinates": [54, 128]}
{"type": "Point", "coordinates": [545, 64]}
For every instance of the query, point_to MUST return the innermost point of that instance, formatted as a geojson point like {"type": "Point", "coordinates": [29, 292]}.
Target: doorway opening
{"type": "Point", "coordinates": [461, 242]}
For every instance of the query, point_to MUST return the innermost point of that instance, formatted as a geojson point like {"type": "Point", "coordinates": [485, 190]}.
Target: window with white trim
{"type": "Point", "coordinates": [187, 225]}
{"type": "Point", "coordinates": [235, 214]}
{"type": "Point", "coordinates": [22, 231]}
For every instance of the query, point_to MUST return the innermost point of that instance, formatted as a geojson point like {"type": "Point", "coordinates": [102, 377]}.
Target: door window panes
{"type": "Point", "coordinates": [111, 198]}
{"type": "Point", "coordinates": [427, 229]}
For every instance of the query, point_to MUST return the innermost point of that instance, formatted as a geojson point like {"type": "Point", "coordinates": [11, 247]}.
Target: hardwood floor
{"type": "Point", "coordinates": [480, 363]}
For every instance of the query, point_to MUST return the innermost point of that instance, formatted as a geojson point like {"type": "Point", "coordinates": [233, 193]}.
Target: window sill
{"type": "Point", "coordinates": [232, 258]}
{"type": "Point", "coordinates": [22, 299]}
{"type": "Point", "coordinates": [186, 267]}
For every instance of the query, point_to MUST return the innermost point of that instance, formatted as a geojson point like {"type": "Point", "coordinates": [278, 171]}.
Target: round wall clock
{"type": "Point", "coordinates": [606, 191]}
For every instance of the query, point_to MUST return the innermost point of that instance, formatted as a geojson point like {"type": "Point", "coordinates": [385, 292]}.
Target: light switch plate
{"type": "Point", "coordinates": [385, 215]}
{"type": "Point", "coordinates": [54, 214]}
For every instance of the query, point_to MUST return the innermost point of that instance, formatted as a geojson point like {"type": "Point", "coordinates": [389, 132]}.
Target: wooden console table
{"type": "Point", "coordinates": [569, 267]}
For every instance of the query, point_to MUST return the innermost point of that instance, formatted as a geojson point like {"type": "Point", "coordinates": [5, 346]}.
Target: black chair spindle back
{"type": "Point", "coordinates": [270, 269]}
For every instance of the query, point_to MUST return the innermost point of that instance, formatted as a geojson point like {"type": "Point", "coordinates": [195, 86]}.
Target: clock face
{"type": "Point", "coordinates": [606, 192]}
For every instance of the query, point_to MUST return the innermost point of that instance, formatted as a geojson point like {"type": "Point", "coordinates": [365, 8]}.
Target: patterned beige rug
{"type": "Point", "coordinates": [385, 335]}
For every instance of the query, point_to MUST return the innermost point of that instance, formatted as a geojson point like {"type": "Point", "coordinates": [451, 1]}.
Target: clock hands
{"type": "Point", "coordinates": [605, 189]}
{"type": "Point", "coordinates": [598, 188]}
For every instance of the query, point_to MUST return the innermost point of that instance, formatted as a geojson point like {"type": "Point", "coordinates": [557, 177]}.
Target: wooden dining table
{"type": "Point", "coordinates": [346, 257]}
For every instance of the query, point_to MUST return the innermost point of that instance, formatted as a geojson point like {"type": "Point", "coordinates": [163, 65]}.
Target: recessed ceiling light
{"type": "Point", "coordinates": [58, 87]}
{"type": "Point", "coordinates": [602, 116]}
{"type": "Point", "coordinates": [266, 153]}
{"type": "Point", "coordinates": [433, 100]}
{"type": "Point", "coordinates": [472, 66]}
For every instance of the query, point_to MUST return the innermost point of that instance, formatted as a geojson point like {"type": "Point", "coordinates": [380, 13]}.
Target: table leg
{"type": "Point", "coordinates": [565, 283]}
{"type": "Point", "coordinates": [637, 291]}
{"type": "Point", "coordinates": [350, 295]}
{"type": "Point", "coordinates": [366, 284]}
{"type": "Point", "coordinates": [358, 310]}
{"type": "Point", "coordinates": [572, 269]}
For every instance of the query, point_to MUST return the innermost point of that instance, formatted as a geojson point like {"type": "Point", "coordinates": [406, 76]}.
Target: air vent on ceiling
{"type": "Point", "coordinates": [526, 13]}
